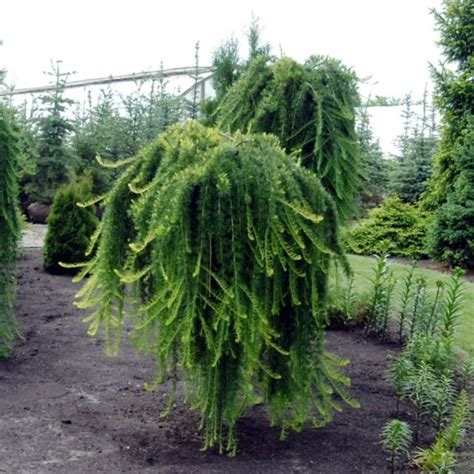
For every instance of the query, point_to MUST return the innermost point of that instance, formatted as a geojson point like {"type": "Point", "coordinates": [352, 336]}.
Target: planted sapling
{"type": "Point", "coordinates": [405, 298]}
{"type": "Point", "coordinates": [399, 371]}
{"type": "Point", "coordinates": [418, 389]}
{"type": "Point", "coordinates": [396, 437]}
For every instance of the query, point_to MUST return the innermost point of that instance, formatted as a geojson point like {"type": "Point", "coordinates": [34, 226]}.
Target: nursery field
{"type": "Point", "coordinates": [66, 407]}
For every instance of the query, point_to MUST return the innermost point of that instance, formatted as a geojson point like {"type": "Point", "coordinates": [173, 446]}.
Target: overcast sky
{"type": "Point", "coordinates": [390, 40]}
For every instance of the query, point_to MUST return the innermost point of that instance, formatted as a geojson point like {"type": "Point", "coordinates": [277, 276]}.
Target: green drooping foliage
{"type": "Point", "coordinates": [9, 230]}
{"type": "Point", "coordinates": [310, 108]}
{"type": "Point", "coordinates": [70, 227]}
{"type": "Point", "coordinates": [223, 245]}
{"type": "Point", "coordinates": [395, 227]}
{"type": "Point", "coordinates": [453, 164]}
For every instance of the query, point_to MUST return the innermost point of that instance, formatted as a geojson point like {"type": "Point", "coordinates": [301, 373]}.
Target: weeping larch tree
{"type": "Point", "coordinates": [9, 230]}
{"type": "Point", "coordinates": [221, 241]}
{"type": "Point", "coordinates": [310, 107]}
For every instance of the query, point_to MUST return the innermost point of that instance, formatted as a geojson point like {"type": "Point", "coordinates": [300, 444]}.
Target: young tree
{"type": "Point", "coordinates": [226, 67]}
{"type": "Point", "coordinates": [375, 166]}
{"type": "Point", "coordinates": [70, 227]}
{"type": "Point", "coordinates": [254, 39]}
{"type": "Point", "coordinates": [56, 160]}
{"type": "Point", "coordinates": [417, 145]}
{"type": "Point", "coordinates": [451, 190]}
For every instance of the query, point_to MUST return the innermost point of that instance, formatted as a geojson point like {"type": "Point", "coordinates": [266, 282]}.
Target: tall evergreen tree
{"type": "Point", "coordinates": [55, 157]}
{"type": "Point", "coordinates": [375, 166]}
{"type": "Point", "coordinates": [417, 144]}
{"type": "Point", "coordinates": [452, 238]}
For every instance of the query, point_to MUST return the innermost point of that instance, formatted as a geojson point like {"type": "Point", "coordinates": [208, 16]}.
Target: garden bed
{"type": "Point", "coordinates": [66, 407]}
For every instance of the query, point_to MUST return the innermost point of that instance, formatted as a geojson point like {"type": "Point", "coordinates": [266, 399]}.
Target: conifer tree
{"type": "Point", "coordinates": [413, 165]}
{"type": "Point", "coordinates": [55, 157]}
{"type": "Point", "coordinates": [375, 166]}
{"type": "Point", "coordinates": [70, 227]}
{"type": "Point", "coordinates": [223, 245]}
{"type": "Point", "coordinates": [310, 108]}
{"type": "Point", "coordinates": [9, 230]}
{"type": "Point", "coordinates": [450, 192]}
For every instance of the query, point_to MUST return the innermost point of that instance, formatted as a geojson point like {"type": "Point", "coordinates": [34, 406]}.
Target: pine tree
{"type": "Point", "coordinates": [450, 192]}
{"type": "Point", "coordinates": [224, 244]}
{"type": "Point", "coordinates": [9, 230]}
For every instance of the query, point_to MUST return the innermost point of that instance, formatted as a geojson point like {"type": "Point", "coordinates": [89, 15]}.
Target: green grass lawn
{"type": "Point", "coordinates": [363, 271]}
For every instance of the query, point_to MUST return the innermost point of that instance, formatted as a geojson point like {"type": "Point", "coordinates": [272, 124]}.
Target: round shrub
{"type": "Point", "coordinates": [395, 227]}
{"type": "Point", "coordinates": [70, 227]}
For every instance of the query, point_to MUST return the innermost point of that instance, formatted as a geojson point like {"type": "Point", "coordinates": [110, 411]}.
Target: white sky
{"type": "Point", "coordinates": [392, 41]}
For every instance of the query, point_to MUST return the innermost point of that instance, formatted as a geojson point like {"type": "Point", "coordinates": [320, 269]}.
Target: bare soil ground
{"type": "Point", "coordinates": [65, 407]}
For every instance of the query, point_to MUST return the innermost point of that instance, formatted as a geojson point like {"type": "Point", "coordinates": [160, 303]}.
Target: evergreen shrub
{"type": "Point", "coordinates": [70, 227]}
{"type": "Point", "coordinates": [395, 227]}
{"type": "Point", "coordinates": [9, 230]}
{"type": "Point", "coordinates": [451, 236]}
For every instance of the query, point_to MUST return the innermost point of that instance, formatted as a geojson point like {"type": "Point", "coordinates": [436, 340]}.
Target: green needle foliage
{"type": "Point", "coordinates": [310, 108]}
{"type": "Point", "coordinates": [70, 227]}
{"type": "Point", "coordinates": [9, 230]}
{"type": "Point", "coordinates": [396, 436]}
{"type": "Point", "coordinates": [223, 245]}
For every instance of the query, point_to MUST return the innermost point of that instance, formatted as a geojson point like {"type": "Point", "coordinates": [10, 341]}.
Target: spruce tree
{"type": "Point", "coordinates": [222, 243]}
{"type": "Point", "coordinates": [55, 158]}
{"type": "Point", "coordinates": [9, 230]}
{"type": "Point", "coordinates": [417, 144]}
{"type": "Point", "coordinates": [375, 166]}
{"type": "Point", "coordinates": [450, 188]}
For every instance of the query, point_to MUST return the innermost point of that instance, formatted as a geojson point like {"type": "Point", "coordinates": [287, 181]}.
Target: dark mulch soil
{"type": "Point", "coordinates": [67, 408]}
